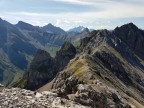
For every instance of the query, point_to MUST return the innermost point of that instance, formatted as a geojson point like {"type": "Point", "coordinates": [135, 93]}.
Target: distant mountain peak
{"type": "Point", "coordinates": [50, 28]}
{"type": "Point", "coordinates": [21, 22]}
{"type": "Point", "coordinates": [26, 26]}
{"type": "Point", "coordinates": [78, 29]}
{"type": "Point", "coordinates": [86, 30]}
{"type": "Point", "coordinates": [81, 26]}
{"type": "Point", "coordinates": [128, 26]}
{"type": "Point", "coordinates": [50, 24]}
{"type": "Point", "coordinates": [131, 24]}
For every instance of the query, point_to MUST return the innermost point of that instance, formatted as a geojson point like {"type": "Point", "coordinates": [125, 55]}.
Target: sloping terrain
{"type": "Point", "coordinates": [15, 51]}
{"type": "Point", "coordinates": [111, 63]}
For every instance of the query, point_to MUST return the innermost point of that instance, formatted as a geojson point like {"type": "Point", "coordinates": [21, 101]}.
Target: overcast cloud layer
{"type": "Point", "coordinates": [95, 14]}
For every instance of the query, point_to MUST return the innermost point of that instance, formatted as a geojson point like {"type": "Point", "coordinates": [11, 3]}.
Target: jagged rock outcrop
{"type": "Point", "coordinates": [44, 68]}
{"type": "Point", "coordinates": [64, 55]}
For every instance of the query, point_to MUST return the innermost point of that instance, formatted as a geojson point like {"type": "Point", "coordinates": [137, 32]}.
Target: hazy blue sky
{"type": "Point", "coordinates": [95, 14]}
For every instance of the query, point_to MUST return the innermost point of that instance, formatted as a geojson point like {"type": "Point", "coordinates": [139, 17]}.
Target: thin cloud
{"type": "Point", "coordinates": [95, 11]}
{"type": "Point", "coordinates": [68, 20]}
{"type": "Point", "coordinates": [74, 2]}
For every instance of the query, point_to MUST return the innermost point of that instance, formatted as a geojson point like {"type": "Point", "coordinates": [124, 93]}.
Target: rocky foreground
{"type": "Point", "coordinates": [21, 98]}
{"type": "Point", "coordinates": [84, 97]}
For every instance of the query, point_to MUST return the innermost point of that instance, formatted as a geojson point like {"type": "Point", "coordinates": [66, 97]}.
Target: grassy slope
{"type": "Point", "coordinates": [87, 71]}
{"type": "Point", "coordinates": [11, 73]}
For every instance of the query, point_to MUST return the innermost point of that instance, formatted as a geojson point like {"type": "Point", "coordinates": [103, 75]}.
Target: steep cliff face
{"type": "Point", "coordinates": [64, 55]}
{"type": "Point", "coordinates": [44, 68]}
{"type": "Point", "coordinates": [111, 65]}
{"type": "Point", "coordinates": [132, 36]}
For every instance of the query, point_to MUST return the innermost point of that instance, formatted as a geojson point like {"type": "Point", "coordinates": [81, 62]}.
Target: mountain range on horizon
{"type": "Point", "coordinates": [20, 42]}
{"type": "Point", "coordinates": [92, 68]}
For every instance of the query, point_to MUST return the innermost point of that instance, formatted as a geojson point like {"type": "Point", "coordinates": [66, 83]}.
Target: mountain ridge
{"type": "Point", "coordinates": [109, 65]}
{"type": "Point", "coordinates": [106, 69]}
